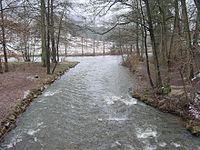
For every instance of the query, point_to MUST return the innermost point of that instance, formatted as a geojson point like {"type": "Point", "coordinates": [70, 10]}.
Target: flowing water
{"type": "Point", "coordinates": [90, 108]}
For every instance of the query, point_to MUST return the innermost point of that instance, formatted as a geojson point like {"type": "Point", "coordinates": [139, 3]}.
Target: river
{"type": "Point", "coordinates": [90, 108]}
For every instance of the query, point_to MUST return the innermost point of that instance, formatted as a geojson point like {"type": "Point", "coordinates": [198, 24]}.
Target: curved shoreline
{"type": "Point", "coordinates": [165, 105]}
{"type": "Point", "coordinates": [173, 102]}
{"type": "Point", "coordinates": [9, 121]}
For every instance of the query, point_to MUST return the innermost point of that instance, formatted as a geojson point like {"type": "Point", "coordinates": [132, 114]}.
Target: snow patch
{"type": "Point", "coordinates": [194, 112]}
{"type": "Point", "coordinates": [35, 139]}
{"type": "Point", "coordinates": [26, 93]}
{"type": "Point", "coordinates": [197, 99]}
{"type": "Point", "coordinates": [194, 78]}
{"type": "Point", "coordinates": [197, 76]}
{"type": "Point", "coordinates": [31, 78]}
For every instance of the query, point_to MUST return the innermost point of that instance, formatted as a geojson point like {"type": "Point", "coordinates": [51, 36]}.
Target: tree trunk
{"type": "Point", "coordinates": [163, 30]}
{"type": "Point", "coordinates": [197, 28]}
{"type": "Point", "coordinates": [103, 44]}
{"type": "Point", "coordinates": [142, 45]}
{"type": "Point", "coordinates": [167, 54]}
{"type": "Point", "coordinates": [25, 38]}
{"type": "Point", "coordinates": [189, 42]}
{"type": "Point", "coordinates": [137, 40]}
{"type": "Point", "coordinates": [4, 38]}
{"type": "Point", "coordinates": [43, 35]}
{"type": "Point", "coordinates": [65, 50]}
{"type": "Point", "coordinates": [82, 45]}
{"type": "Point", "coordinates": [59, 30]}
{"type": "Point", "coordinates": [52, 33]}
{"type": "Point", "coordinates": [137, 32]}
{"type": "Point", "coordinates": [154, 46]}
{"type": "Point", "coordinates": [172, 44]}
{"type": "Point", "coordinates": [145, 46]}
{"type": "Point", "coordinates": [48, 39]}
{"type": "Point", "coordinates": [93, 44]}
{"type": "Point", "coordinates": [1, 69]}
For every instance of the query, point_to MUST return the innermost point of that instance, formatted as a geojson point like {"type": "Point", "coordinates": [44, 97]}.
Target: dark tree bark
{"type": "Point", "coordinates": [48, 39]}
{"type": "Point", "coordinates": [145, 45]}
{"type": "Point", "coordinates": [103, 45]}
{"type": "Point", "coordinates": [163, 29]}
{"type": "Point", "coordinates": [137, 31]}
{"type": "Point", "coordinates": [59, 30]}
{"type": "Point", "coordinates": [4, 38]}
{"type": "Point", "coordinates": [1, 69]}
{"type": "Point", "coordinates": [172, 44]}
{"type": "Point", "coordinates": [52, 33]}
{"type": "Point", "coordinates": [154, 46]}
{"type": "Point", "coordinates": [189, 42]}
{"type": "Point", "coordinates": [43, 33]}
{"type": "Point", "coordinates": [137, 39]}
{"type": "Point", "coordinates": [25, 38]}
{"type": "Point", "coordinates": [82, 45]}
{"type": "Point", "coordinates": [197, 28]}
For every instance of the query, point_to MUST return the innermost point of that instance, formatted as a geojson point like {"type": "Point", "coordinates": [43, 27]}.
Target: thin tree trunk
{"type": "Point", "coordinates": [197, 28]}
{"type": "Point", "coordinates": [137, 32]}
{"type": "Point", "coordinates": [48, 39]}
{"type": "Point", "coordinates": [137, 40]}
{"type": "Point", "coordinates": [145, 45]}
{"type": "Point", "coordinates": [172, 44]}
{"type": "Point", "coordinates": [94, 45]}
{"type": "Point", "coordinates": [103, 44]}
{"type": "Point", "coordinates": [142, 44]}
{"type": "Point", "coordinates": [52, 33]}
{"type": "Point", "coordinates": [1, 69]}
{"type": "Point", "coordinates": [120, 44]}
{"type": "Point", "coordinates": [82, 45]}
{"type": "Point", "coordinates": [59, 30]}
{"type": "Point", "coordinates": [43, 35]}
{"type": "Point", "coordinates": [154, 46]}
{"type": "Point", "coordinates": [189, 42]}
{"type": "Point", "coordinates": [163, 29]}
{"type": "Point", "coordinates": [3, 38]}
{"type": "Point", "coordinates": [25, 38]}
{"type": "Point", "coordinates": [65, 50]}
{"type": "Point", "coordinates": [167, 55]}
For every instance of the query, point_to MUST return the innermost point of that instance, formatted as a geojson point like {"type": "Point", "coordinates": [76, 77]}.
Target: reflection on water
{"type": "Point", "coordinates": [90, 108]}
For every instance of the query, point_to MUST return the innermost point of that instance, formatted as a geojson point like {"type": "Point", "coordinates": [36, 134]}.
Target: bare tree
{"type": "Point", "coordinates": [52, 33]}
{"type": "Point", "coordinates": [189, 41]}
{"type": "Point", "coordinates": [3, 37]}
{"type": "Point", "coordinates": [154, 46]}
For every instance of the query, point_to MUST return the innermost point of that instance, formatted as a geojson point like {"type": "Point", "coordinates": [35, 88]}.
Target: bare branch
{"type": "Point", "coordinates": [102, 33]}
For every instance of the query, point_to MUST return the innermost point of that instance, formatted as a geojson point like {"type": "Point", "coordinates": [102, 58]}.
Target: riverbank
{"type": "Point", "coordinates": [20, 86]}
{"type": "Point", "coordinates": [173, 102]}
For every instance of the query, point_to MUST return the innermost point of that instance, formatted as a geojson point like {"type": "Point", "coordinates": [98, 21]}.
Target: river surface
{"type": "Point", "coordinates": [90, 108]}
